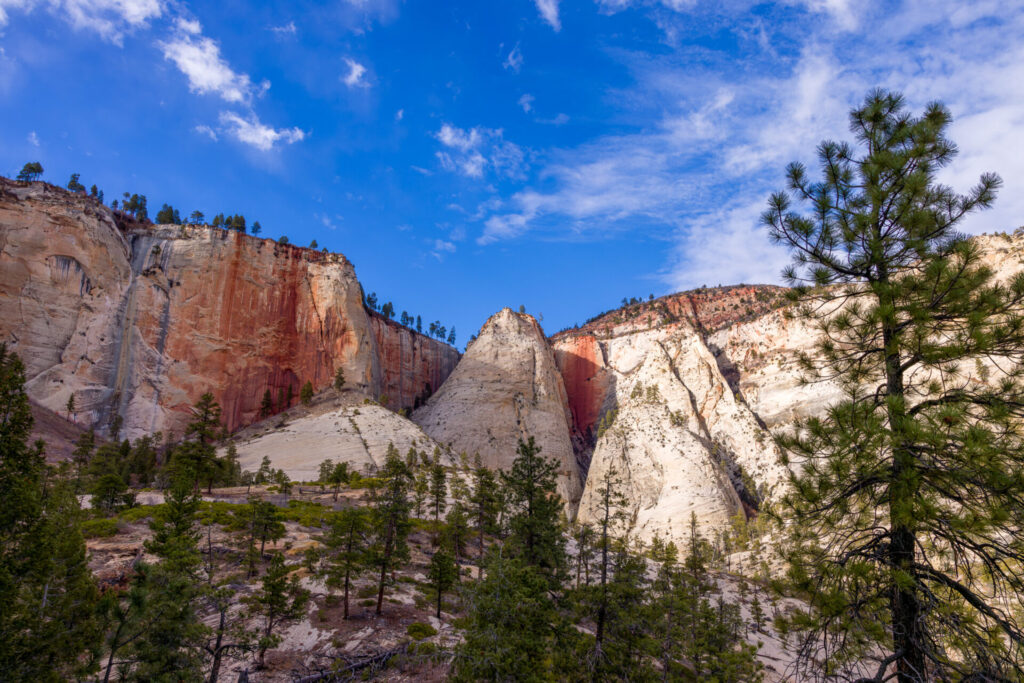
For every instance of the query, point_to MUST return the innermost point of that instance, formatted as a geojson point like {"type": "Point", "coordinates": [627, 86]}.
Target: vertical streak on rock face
{"type": "Point", "coordinates": [156, 319]}
{"type": "Point", "coordinates": [588, 385]}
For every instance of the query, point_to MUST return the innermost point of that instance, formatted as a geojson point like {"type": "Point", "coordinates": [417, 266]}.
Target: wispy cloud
{"type": "Point", "coordinates": [526, 102]}
{"type": "Point", "coordinates": [356, 76]}
{"type": "Point", "coordinates": [549, 12]}
{"type": "Point", "coordinates": [514, 61]}
{"type": "Point", "coordinates": [251, 131]}
{"type": "Point", "coordinates": [715, 140]}
{"type": "Point", "coordinates": [111, 19]}
{"type": "Point", "coordinates": [285, 31]}
{"type": "Point", "coordinates": [207, 131]}
{"type": "Point", "coordinates": [199, 58]}
{"type": "Point", "coordinates": [33, 139]}
{"type": "Point", "coordinates": [474, 151]}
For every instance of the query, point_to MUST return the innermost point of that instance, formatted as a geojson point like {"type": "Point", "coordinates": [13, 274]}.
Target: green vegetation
{"type": "Point", "coordinates": [30, 171]}
{"type": "Point", "coordinates": [905, 514]}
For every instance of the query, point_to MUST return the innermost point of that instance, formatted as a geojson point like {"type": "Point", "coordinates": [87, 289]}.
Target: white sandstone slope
{"type": "Point", "coordinates": [679, 439]}
{"type": "Point", "coordinates": [358, 435]}
{"type": "Point", "coordinates": [506, 387]}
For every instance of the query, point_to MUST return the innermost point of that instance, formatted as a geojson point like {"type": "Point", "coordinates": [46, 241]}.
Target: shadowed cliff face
{"type": "Point", "coordinates": [139, 321]}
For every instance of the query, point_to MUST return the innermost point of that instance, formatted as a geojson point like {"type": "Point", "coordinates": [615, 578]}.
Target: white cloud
{"type": "Point", "coordinates": [33, 139]}
{"type": "Point", "coordinates": [549, 12]}
{"type": "Point", "coordinates": [841, 11]}
{"type": "Point", "coordinates": [612, 6]}
{"type": "Point", "coordinates": [450, 136]}
{"type": "Point", "coordinates": [526, 102]}
{"type": "Point", "coordinates": [288, 29]}
{"type": "Point", "coordinates": [514, 61]}
{"type": "Point", "coordinates": [199, 58]}
{"type": "Point", "coordinates": [111, 19]}
{"type": "Point", "coordinates": [472, 152]}
{"type": "Point", "coordinates": [355, 76]}
{"type": "Point", "coordinates": [207, 131]}
{"type": "Point", "coordinates": [399, 115]}
{"type": "Point", "coordinates": [558, 120]}
{"type": "Point", "coordinates": [713, 142]}
{"type": "Point", "coordinates": [252, 132]}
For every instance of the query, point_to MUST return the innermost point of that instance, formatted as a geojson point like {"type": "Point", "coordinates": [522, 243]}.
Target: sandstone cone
{"type": "Point", "coordinates": [505, 388]}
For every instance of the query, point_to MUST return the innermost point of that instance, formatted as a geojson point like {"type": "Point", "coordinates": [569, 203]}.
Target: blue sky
{"type": "Point", "coordinates": [560, 154]}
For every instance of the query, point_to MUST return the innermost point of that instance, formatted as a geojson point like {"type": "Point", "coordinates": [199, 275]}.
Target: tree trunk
{"type": "Point", "coordinates": [908, 640]}
{"type": "Point", "coordinates": [217, 652]}
{"type": "Point", "coordinates": [346, 592]}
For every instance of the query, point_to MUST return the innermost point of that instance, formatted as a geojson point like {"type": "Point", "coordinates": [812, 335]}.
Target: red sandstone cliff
{"type": "Point", "coordinates": [138, 321]}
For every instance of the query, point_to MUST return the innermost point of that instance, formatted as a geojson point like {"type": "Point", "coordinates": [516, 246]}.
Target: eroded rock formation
{"type": "Point", "coordinates": [137, 321]}
{"type": "Point", "coordinates": [506, 387]}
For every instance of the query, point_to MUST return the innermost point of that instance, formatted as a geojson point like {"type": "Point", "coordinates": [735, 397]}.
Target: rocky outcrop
{"type": "Point", "coordinates": [358, 435]}
{"type": "Point", "coordinates": [137, 321]}
{"type": "Point", "coordinates": [506, 387]}
{"type": "Point", "coordinates": [676, 436]}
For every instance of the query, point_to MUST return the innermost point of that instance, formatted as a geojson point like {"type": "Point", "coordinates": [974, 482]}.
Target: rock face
{"type": "Point", "coordinates": [675, 435]}
{"type": "Point", "coordinates": [138, 321]}
{"type": "Point", "coordinates": [506, 387]}
{"type": "Point", "coordinates": [358, 435]}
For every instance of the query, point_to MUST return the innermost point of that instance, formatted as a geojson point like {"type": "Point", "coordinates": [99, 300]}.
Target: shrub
{"type": "Point", "coordinates": [419, 630]}
{"type": "Point", "coordinates": [99, 528]}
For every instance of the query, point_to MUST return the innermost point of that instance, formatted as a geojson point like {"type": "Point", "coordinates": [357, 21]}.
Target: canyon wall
{"type": "Point", "coordinates": [137, 321]}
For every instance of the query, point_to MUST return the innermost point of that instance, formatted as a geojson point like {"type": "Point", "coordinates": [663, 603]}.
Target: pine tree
{"type": "Point", "coordinates": [228, 638]}
{"type": "Point", "coordinates": [905, 511]}
{"type": "Point", "coordinates": [306, 393]}
{"type": "Point", "coordinates": [30, 171]}
{"type": "Point", "coordinates": [347, 542]}
{"type": "Point", "coordinates": [390, 508]}
{"type": "Point", "coordinates": [171, 649]}
{"type": "Point", "coordinates": [262, 523]}
{"type": "Point", "coordinates": [511, 628]}
{"type": "Point", "coordinates": [256, 228]}
{"type": "Point", "coordinates": [266, 405]}
{"type": "Point", "coordinates": [280, 600]}
{"type": "Point", "coordinates": [535, 525]}
{"type": "Point", "coordinates": [47, 593]}
{"type": "Point", "coordinates": [339, 379]}
{"type": "Point", "coordinates": [82, 454]}
{"type": "Point", "coordinates": [610, 514]}
{"type": "Point", "coordinates": [196, 458]}
{"type": "Point", "coordinates": [74, 185]}
{"type": "Point", "coordinates": [443, 573]}
{"type": "Point", "coordinates": [438, 491]}
{"type": "Point", "coordinates": [485, 503]}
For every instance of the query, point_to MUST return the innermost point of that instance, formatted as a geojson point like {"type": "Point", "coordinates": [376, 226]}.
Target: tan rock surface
{"type": "Point", "coordinates": [358, 435]}
{"type": "Point", "coordinates": [506, 387]}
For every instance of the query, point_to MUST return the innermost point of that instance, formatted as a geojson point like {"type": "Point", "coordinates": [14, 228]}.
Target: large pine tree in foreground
{"type": "Point", "coordinates": [907, 508]}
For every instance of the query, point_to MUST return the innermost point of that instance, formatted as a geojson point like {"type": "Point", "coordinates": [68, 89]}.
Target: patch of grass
{"type": "Point", "coordinates": [137, 514]}
{"type": "Point", "coordinates": [367, 603]}
{"type": "Point", "coordinates": [306, 513]}
{"type": "Point", "coordinates": [419, 630]}
{"type": "Point", "coordinates": [366, 591]}
{"type": "Point", "coordinates": [99, 528]}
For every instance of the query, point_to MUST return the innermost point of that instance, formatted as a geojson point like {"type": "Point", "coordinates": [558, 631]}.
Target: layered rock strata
{"type": "Point", "coordinates": [137, 321]}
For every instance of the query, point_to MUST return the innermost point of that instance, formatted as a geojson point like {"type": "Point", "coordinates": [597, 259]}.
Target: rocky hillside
{"type": "Point", "coordinates": [137, 321]}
